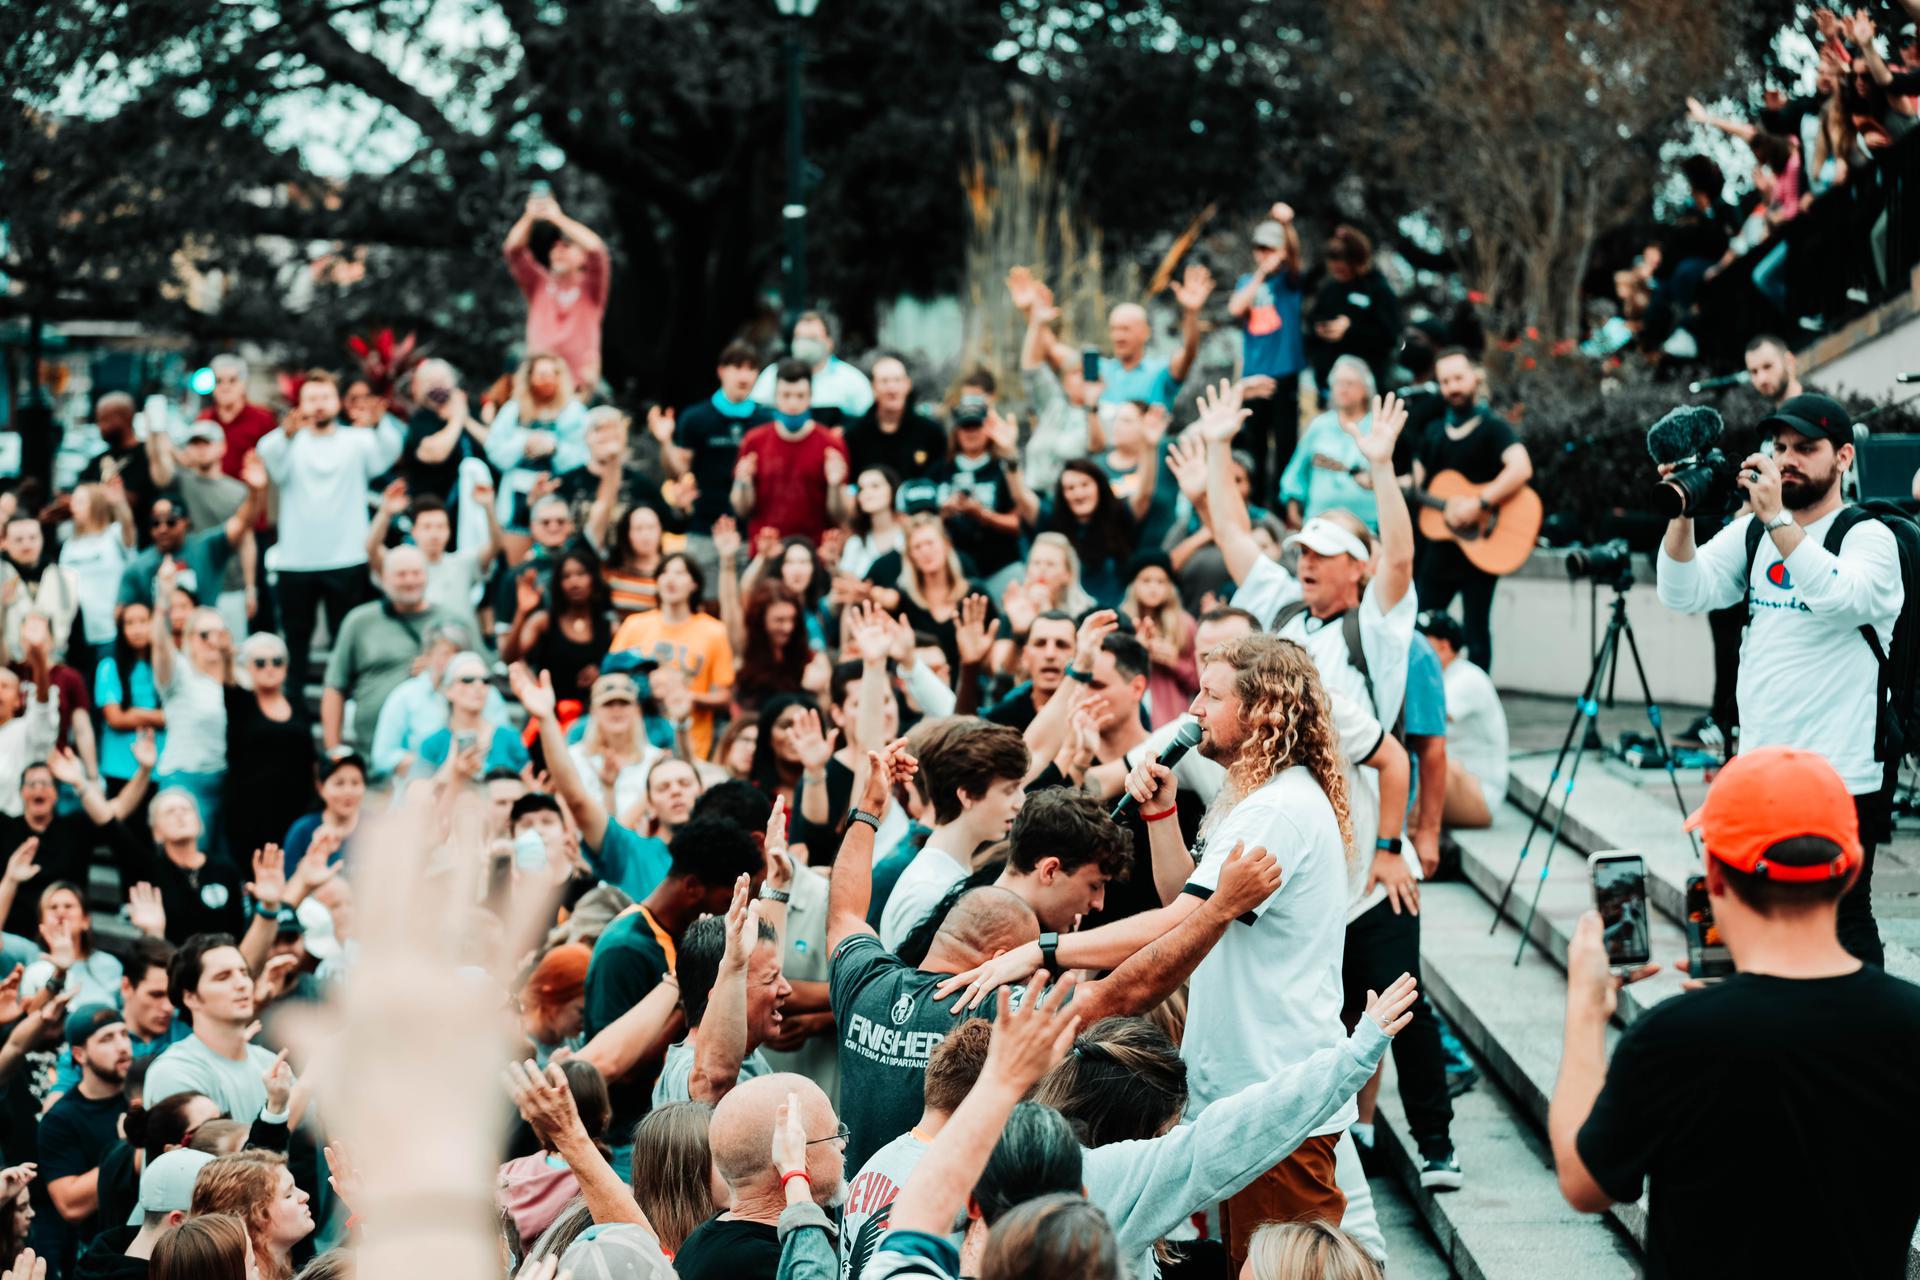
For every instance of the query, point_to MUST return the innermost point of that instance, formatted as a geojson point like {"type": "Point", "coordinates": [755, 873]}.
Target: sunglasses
{"type": "Point", "coordinates": [469, 679]}
{"type": "Point", "coordinates": [276, 661]}
{"type": "Point", "coordinates": [160, 521]}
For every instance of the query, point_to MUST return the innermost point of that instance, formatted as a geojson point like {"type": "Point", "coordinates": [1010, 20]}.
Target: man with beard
{"type": "Point", "coordinates": [83, 1126]}
{"type": "Point", "coordinates": [1816, 573]}
{"type": "Point", "coordinates": [1484, 448]}
{"type": "Point", "coordinates": [375, 649]}
{"type": "Point", "coordinates": [1045, 654]}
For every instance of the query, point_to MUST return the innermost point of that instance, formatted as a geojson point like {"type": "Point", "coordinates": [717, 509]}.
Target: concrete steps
{"type": "Point", "coordinates": [1510, 1016]}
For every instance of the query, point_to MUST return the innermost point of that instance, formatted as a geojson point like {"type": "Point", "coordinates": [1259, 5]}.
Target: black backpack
{"type": "Point", "coordinates": [1897, 724]}
{"type": "Point", "coordinates": [1350, 629]}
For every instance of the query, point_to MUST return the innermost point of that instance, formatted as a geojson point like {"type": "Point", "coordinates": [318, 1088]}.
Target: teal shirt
{"type": "Point", "coordinates": [1319, 490]}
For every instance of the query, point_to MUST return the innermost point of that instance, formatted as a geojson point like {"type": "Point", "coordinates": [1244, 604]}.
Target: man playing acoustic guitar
{"type": "Point", "coordinates": [1470, 439]}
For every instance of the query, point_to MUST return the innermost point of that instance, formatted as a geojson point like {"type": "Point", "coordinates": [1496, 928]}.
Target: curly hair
{"type": "Point", "coordinates": [245, 1184]}
{"type": "Point", "coordinates": [1288, 720]}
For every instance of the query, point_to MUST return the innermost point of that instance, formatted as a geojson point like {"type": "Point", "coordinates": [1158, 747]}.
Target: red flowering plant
{"type": "Point", "coordinates": [385, 362]}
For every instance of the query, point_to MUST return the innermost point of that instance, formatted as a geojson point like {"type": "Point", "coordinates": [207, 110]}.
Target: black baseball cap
{"type": "Point", "coordinates": [1812, 414]}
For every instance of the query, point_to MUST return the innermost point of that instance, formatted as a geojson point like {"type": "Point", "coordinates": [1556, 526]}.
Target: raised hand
{"type": "Point", "coordinates": [1030, 1040]}
{"type": "Point", "coordinates": [275, 976]}
{"type": "Point", "coordinates": [1282, 212]}
{"type": "Point", "coordinates": [1384, 425]}
{"type": "Point", "coordinates": [899, 637]}
{"type": "Point", "coordinates": [10, 1002]}
{"type": "Point", "coordinates": [1221, 413]}
{"type": "Point", "coordinates": [747, 468]}
{"type": "Point", "coordinates": [812, 746]}
{"type": "Point", "coordinates": [1094, 628]}
{"type": "Point", "coordinates": [393, 498]}
{"type": "Point", "coordinates": [145, 910]}
{"type": "Point", "coordinates": [544, 1098]}
{"type": "Point", "coordinates": [1392, 1009]}
{"type": "Point", "coordinates": [660, 423]}
{"type": "Point", "coordinates": [534, 695]}
{"type": "Point", "coordinates": [779, 861]}
{"type": "Point", "coordinates": [884, 769]}
{"type": "Point", "coordinates": [871, 638]}
{"type": "Point", "coordinates": [343, 1175]}
{"type": "Point", "coordinates": [14, 1180]}
{"type": "Point", "coordinates": [146, 749]}
{"type": "Point", "coordinates": [1187, 459]}
{"type": "Point", "coordinates": [27, 1266]}
{"type": "Point", "coordinates": [790, 1136]}
{"type": "Point", "coordinates": [1697, 111]}
{"type": "Point", "coordinates": [726, 538]}
{"type": "Point", "coordinates": [1194, 287]}
{"type": "Point", "coordinates": [65, 766]}
{"type": "Point", "coordinates": [973, 634]}
{"type": "Point", "coordinates": [278, 1077]}
{"type": "Point", "coordinates": [20, 864]}
{"type": "Point", "coordinates": [743, 927]}
{"type": "Point", "coordinates": [527, 596]}
{"type": "Point", "coordinates": [1249, 878]}
{"type": "Point", "coordinates": [835, 467]}
{"type": "Point", "coordinates": [1003, 433]}
{"type": "Point", "coordinates": [61, 949]}
{"type": "Point", "coordinates": [1022, 289]}
{"type": "Point", "coordinates": [269, 884]}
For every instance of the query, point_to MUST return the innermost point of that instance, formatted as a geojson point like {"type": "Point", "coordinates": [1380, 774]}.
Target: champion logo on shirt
{"type": "Point", "coordinates": [1777, 574]}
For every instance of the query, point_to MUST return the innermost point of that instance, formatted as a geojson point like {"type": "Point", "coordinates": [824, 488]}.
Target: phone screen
{"type": "Point", "coordinates": [1620, 894]}
{"type": "Point", "coordinates": [1090, 365]}
{"type": "Point", "coordinates": [1707, 956]}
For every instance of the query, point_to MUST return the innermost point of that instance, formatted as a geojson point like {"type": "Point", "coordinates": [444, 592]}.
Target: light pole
{"type": "Point", "coordinates": [793, 214]}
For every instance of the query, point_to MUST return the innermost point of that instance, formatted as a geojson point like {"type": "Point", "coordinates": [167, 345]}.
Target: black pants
{"type": "Point", "coordinates": [302, 595]}
{"type": "Point", "coordinates": [1446, 573]}
{"type": "Point", "coordinates": [1858, 932]}
{"type": "Point", "coordinates": [1380, 947]}
{"type": "Point", "coordinates": [1271, 431]}
{"type": "Point", "coordinates": [1727, 626]}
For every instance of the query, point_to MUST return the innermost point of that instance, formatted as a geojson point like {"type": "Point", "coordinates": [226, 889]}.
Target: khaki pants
{"type": "Point", "coordinates": [1298, 1189]}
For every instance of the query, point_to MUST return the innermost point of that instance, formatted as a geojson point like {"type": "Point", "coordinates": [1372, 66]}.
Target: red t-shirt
{"type": "Point", "coordinates": [790, 484]}
{"type": "Point", "coordinates": [244, 433]}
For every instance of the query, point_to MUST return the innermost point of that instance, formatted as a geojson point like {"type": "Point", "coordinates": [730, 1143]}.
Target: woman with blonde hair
{"type": "Point", "coordinates": [541, 431]}
{"type": "Point", "coordinates": [257, 1188]}
{"type": "Point", "coordinates": [213, 1246]}
{"type": "Point", "coordinates": [193, 692]}
{"type": "Point", "coordinates": [1167, 630]}
{"type": "Point", "coordinates": [673, 1177]}
{"type": "Point", "coordinates": [1306, 1251]}
{"type": "Point", "coordinates": [927, 584]}
{"type": "Point", "coordinates": [1052, 582]}
{"type": "Point", "coordinates": [96, 553]}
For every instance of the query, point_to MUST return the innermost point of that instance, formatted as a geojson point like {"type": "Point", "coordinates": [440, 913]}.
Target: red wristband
{"type": "Point", "coordinates": [1156, 817]}
{"type": "Point", "coordinates": [797, 1173]}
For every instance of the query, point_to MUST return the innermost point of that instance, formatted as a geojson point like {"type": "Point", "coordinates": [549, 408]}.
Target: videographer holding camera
{"type": "Point", "coordinates": [1819, 577]}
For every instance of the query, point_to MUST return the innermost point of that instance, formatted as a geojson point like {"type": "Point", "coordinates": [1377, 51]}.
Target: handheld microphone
{"type": "Point", "coordinates": [1724, 380]}
{"type": "Point", "coordinates": [1184, 741]}
{"type": "Point", "coordinates": [1906, 377]}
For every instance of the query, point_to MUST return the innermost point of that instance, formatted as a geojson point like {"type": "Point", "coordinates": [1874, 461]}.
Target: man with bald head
{"type": "Point", "coordinates": [1130, 373]}
{"type": "Point", "coordinates": [894, 433]}
{"type": "Point", "coordinates": [376, 648]}
{"type": "Point", "coordinates": [885, 1012]}
{"type": "Point", "coordinates": [125, 457]}
{"type": "Point", "coordinates": [743, 1243]}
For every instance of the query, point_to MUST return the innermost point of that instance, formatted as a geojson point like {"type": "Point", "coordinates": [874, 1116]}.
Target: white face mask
{"type": "Point", "coordinates": [811, 350]}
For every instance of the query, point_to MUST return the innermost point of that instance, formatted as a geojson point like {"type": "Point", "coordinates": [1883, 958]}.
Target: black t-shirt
{"type": "Point", "coordinates": [1136, 893]}
{"type": "Point", "coordinates": [66, 851]}
{"type": "Point", "coordinates": [209, 899]}
{"type": "Point", "coordinates": [886, 572]}
{"type": "Point", "coordinates": [75, 1136]}
{"type": "Point", "coordinates": [1425, 406]}
{"type": "Point", "coordinates": [1724, 1098]}
{"type": "Point", "coordinates": [435, 478]}
{"type": "Point", "coordinates": [889, 1025]}
{"type": "Point", "coordinates": [917, 448]}
{"type": "Point", "coordinates": [628, 962]}
{"type": "Point", "coordinates": [136, 477]}
{"type": "Point", "coordinates": [1476, 455]}
{"type": "Point", "coordinates": [714, 439]}
{"type": "Point", "coordinates": [987, 549]}
{"type": "Point", "coordinates": [727, 1249]}
{"type": "Point", "coordinates": [1016, 710]}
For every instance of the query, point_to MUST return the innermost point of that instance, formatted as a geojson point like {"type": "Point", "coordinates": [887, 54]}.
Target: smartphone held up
{"type": "Point", "coordinates": [1620, 895]}
{"type": "Point", "coordinates": [1708, 959]}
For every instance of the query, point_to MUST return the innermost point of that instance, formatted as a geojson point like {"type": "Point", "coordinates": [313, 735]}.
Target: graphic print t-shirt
{"type": "Point", "coordinates": [889, 1025]}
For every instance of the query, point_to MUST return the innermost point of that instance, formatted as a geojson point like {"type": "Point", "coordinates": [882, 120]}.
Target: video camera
{"type": "Point", "coordinates": [1705, 481]}
{"type": "Point", "coordinates": [1609, 563]}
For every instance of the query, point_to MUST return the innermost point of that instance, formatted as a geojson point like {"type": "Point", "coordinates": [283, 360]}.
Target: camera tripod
{"type": "Point", "coordinates": [1586, 710]}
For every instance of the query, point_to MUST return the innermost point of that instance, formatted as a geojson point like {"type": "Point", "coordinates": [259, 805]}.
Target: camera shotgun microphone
{"type": "Point", "coordinates": [1906, 377]}
{"type": "Point", "coordinates": [1170, 755]}
{"type": "Point", "coordinates": [1724, 380]}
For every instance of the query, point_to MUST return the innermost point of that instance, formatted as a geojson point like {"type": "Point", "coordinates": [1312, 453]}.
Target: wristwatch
{"type": "Point", "coordinates": [770, 894]}
{"type": "Point", "coordinates": [1780, 521]}
{"type": "Point", "coordinates": [861, 815]}
{"type": "Point", "coordinates": [1049, 953]}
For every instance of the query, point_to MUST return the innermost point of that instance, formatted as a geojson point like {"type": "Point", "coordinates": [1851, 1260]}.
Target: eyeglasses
{"type": "Point", "coordinates": [160, 520]}
{"type": "Point", "coordinates": [840, 1134]}
{"type": "Point", "coordinates": [207, 633]}
{"type": "Point", "coordinates": [469, 679]}
{"type": "Point", "coordinates": [277, 660]}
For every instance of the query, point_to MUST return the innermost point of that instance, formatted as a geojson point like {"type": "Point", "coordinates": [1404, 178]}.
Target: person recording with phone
{"type": "Point", "coordinates": [1818, 574]}
{"type": "Point", "coordinates": [1796, 1064]}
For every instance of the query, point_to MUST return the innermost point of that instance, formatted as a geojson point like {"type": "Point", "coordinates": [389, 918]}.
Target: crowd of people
{"type": "Point", "coordinates": [1803, 147]}
{"type": "Point", "coordinates": [869, 843]}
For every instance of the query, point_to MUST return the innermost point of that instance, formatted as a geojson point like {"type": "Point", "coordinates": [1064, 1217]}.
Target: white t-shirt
{"type": "Point", "coordinates": [872, 1190]}
{"type": "Point", "coordinates": [676, 1073]}
{"type": "Point", "coordinates": [1477, 727]}
{"type": "Point", "coordinates": [1807, 677]}
{"type": "Point", "coordinates": [836, 385]}
{"type": "Point", "coordinates": [323, 479]}
{"type": "Point", "coordinates": [97, 560]}
{"type": "Point", "coordinates": [927, 879]}
{"type": "Point", "coordinates": [1384, 637]}
{"type": "Point", "coordinates": [196, 707]}
{"type": "Point", "coordinates": [1269, 993]}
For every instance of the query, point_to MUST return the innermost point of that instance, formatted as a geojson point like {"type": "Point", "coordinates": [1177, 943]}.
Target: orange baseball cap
{"type": "Point", "coordinates": [1771, 794]}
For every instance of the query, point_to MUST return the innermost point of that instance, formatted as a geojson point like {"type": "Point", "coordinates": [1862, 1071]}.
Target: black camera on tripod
{"type": "Point", "coordinates": [1705, 481]}
{"type": "Point", "coordinates": [1610, 563]}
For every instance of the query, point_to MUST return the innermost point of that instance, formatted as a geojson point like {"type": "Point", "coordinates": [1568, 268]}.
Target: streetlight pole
{"type": "Point", "coordinates": [793, 214]}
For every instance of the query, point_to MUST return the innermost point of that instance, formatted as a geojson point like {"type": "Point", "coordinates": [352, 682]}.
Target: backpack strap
{"type": "Point", "coordinates": [1349, 629]}
{"type": "Point", "coordinates": [1848, 518]}
{"type": "Point", "coordinates": [1754, 534]}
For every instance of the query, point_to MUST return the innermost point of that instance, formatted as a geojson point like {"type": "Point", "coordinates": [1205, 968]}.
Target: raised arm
{"type": "Point", "coordinates": [721, 1044]}
{"type": "Point", "coordinates": [537, 697]}
{"type": "Point", "coordinates": [1395, 572]}
{"type": "Point", "coordinates": [1049, 729]}
{"type": "Point", "coordinates": [162, 655]}
{"type": "Point", "coordinates": [641, 1034]}
{"type": "Point", "coordinates": [1698, 113]}
{"type": "Point", "coordinates": [393, 500]}
{"type": "Point", "coordinates": [1191, 293]}
{"type": "Point", "coordinates": [850, 888]}
{"type": "Point", "coordinates": [545, 1100]}
{"type": "Point", "coordinates": [1226, 511]}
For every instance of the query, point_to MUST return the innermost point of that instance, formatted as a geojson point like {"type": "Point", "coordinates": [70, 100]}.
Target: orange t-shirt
{"type": "Point", "coordinates": [697, 647]}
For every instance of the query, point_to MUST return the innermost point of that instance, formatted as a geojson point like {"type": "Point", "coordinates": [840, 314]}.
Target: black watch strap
{"type": "Point", "coordinates": [1049, 953]}
{"type": "Point", "coordinates": [861, 815]}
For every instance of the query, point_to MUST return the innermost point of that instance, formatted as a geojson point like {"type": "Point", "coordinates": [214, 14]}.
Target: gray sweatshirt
{"type": "Point", "coordinates": [1149, 1187]}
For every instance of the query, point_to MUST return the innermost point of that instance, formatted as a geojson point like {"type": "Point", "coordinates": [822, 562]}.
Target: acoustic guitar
{"type": "Point", "coordinates": [1498, 542]}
